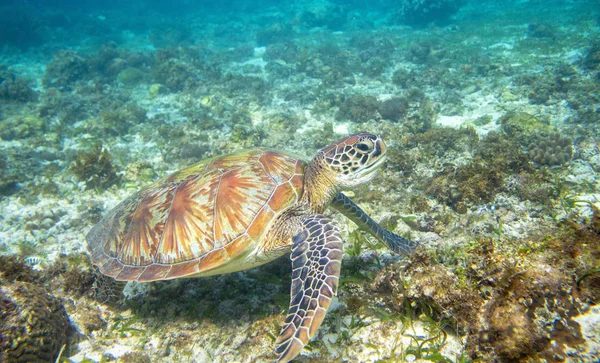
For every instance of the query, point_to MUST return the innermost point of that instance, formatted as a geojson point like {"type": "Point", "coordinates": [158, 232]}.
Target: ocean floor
{"type": "Point", "coordinates": [492, 121]}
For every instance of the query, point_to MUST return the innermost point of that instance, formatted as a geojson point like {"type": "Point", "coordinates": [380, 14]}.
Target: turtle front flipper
{"type": "Point", "coordinates": [316, 261]}
{"type": "Point", "coordinates": [394, 242]}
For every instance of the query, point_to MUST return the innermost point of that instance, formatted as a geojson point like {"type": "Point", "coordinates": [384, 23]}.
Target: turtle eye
{"type": "Point", "coordinates": [364, 147]}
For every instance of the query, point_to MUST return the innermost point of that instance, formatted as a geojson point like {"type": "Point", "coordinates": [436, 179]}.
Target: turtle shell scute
{"type": "Point", "coordinates": [196, 219]}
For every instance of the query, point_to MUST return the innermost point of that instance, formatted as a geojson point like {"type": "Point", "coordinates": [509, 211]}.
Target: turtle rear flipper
{"type": "Point", "coordinates": [353, 212]}
{"type": "Point", "coordinates": [316, 261]}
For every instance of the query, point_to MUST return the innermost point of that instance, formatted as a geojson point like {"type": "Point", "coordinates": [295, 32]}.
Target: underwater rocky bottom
{"type": "Point", "coordinates": [492, 123]}
{"type": "Point", "coordinates": [502, 299]}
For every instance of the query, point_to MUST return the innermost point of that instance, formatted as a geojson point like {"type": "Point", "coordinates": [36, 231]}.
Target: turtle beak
{"type": "Point", "coordinates": [378, 154]}
{"type": "Point", "coordinates": [380, 148]}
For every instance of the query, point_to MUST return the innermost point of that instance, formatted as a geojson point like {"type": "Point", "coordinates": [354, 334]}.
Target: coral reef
{"type": "Point", "coordinates": [403, 78]}
{"type": "Point", "coordinates": [551, 87]}
{"type": "Point", "coordinates": [14, 88]}
{"type": "Point", "coordinates": [285, 51]}
{"type": "Point", "coordinates": [157, 89]}
{"type": "Point", "coordinates": [523, 127]}
{"type": "Point", "coordinates": [22, 127]}
{"type": "Point", "coordinates": [393, 109]}
{"type": "Point", "coordinates": [130, 76]}
{"type": "Point", "coordinates": [358, 108]}
{"type": "Point", "coordinates": [481, 179]}
{"type": "Point", "coordinates": [174, 74]}
{"type": "Point", "coordinates": [518, 321]}
{"type": "Point", "coordinates": [95, 168]}
{"type": "Point", "coordinates": [421, 112]}
{"type": "Point", "coordinates": [69, 68]}
{"type": "Point", "coordinates": [541, 31]}
{"type": "Point", "coordinates": [592, 58]}
{"type": "Point", "coordinates": [34, 324]}
{"type": "Point", "coordinates": [509, 305]}
{"type": "Point", "coordinates": [16, 170]}
{"type": "Point", "coordinates": [330, 63]}
{"type": "Point", "coordinates": [425, 53]}
{"type": "Point", "coordinates": [117, 121]}
{"type": "Point", "coordinates": [66, 107]}
{"type": "Point", "coordinates": [66, 69]}
{"type": "Point", "coordinates": [551, 150]}
{"type": "Point", "coordinates": [490, 112]}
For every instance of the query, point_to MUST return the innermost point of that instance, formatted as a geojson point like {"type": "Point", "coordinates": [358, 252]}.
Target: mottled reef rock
{"type": "Point", "coordinates": [34, 323]}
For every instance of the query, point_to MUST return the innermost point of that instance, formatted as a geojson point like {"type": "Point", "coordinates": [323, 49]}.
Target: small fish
{"type": "Point", "coordinates": [32, 260]}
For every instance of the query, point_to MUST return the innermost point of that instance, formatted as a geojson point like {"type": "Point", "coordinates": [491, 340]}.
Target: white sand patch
{"type": "Point", "coordinates": [451, 121]}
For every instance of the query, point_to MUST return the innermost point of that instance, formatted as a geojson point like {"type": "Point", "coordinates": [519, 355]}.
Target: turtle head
{"type": "Point", "coordinates": [355, 159]}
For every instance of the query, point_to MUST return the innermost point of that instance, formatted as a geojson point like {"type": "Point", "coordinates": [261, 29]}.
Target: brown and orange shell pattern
{"type": "Point", "coordinates": [197, 219]}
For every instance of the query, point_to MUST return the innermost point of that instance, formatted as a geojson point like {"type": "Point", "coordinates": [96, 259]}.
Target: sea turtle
{"type": "Point", "coordinates": [236, 212]}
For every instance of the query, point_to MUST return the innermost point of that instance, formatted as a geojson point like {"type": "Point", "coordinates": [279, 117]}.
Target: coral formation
{"type": "Point", "coordinates": [284, 51]}
{"type": "Point", "coordinates": [548, 88]}
{"type": "Point", "coordinates": [174, 74]}
{"type": "Point", "coordinates": [329, 63]}
{"type": "Point", "coordinates": [551, 150]}
{"type": "Point", "coordinates": [157, 89]}
{"type": "Point", "coordinates": [14, 88]}
{"type": "Point", "coordinates": [541, 31]}
{"type": "Point", "coordinates": [12, 269]}
{"type": "Point", "coordinates": [592, 58]}
{"type": "Point", "coordinates": [403, 78]}
{"type": "Point", "coordinates": [117, 121]}
{"type": "Point", "coordinates": [470, 99]}
{"type": "Point", "coordinates": [481, 179]}
{"type": "Point", "coordinates": [130, 76]}
{"type": "Point", "coordinates": [95, 168]}
{"type": "Point", "coordinates": [421, 112]}
{"type": "Point", "coordinates": [393, 109]}
{"type": "Point", "coordinates": [510, 306]}
{"type": "Point", "coordinates": [523, 127]}
{"type": "Point", "coordinates": [66, 69]}
{"type": "Point", "coordinates": [34, 323]}
{"type": "Point", "coordinates": [21, 127]}
{"type": "Point", "coordinates": [10, 175]}
{"type": "Point", "coordinates": [425, 53]}
{"type": "Point", "coordinates": [358, 108]}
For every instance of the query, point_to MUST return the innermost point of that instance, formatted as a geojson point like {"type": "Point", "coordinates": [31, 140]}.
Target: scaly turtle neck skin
{"type": "Point", "coordinates": [319, 184]}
